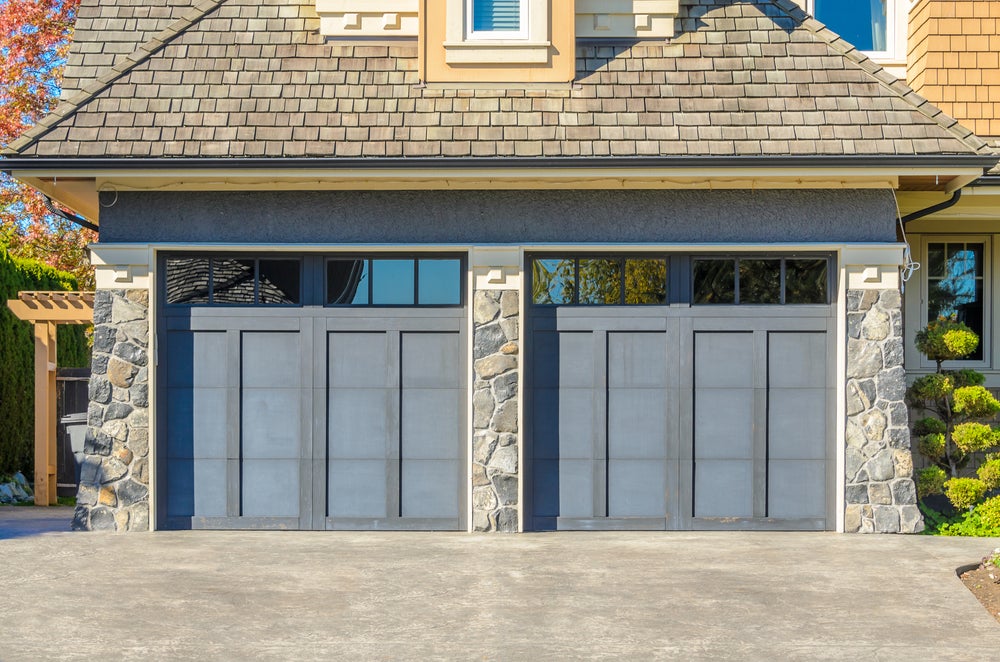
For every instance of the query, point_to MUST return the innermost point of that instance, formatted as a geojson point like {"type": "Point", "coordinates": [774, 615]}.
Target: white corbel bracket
{"type": "Point", "coordinates": [495, 268]}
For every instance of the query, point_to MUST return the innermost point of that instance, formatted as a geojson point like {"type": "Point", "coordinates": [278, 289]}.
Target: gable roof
{"type": "Point", "coordinates": [253, 78]}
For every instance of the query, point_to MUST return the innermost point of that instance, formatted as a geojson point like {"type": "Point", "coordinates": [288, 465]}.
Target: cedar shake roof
{"type": "Point", "coordinates": [253, 78]}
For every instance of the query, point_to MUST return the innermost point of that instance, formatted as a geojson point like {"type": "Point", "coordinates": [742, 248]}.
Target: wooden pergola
{"type": "Point", "coordinates": [46, 310]}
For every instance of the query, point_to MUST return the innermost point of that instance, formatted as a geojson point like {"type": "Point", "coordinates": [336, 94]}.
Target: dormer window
{"type": "Point", "coordinates": [864, 23]}
{"type": "Point", "coordinates": [498, 19]}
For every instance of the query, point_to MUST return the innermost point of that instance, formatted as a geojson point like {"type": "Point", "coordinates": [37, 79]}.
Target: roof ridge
{"type": "Point", "coordinates": [67, 107]}
{"type": "Point", "coordinates": [887, 80]}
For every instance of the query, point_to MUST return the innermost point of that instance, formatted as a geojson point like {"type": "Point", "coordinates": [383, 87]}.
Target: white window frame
{"type": "Point", "coordinates": [522, 33]}
{"type": "Point", "coordinates": [987, 338]}
{"type": "Point", "coordinates": [897, 12]}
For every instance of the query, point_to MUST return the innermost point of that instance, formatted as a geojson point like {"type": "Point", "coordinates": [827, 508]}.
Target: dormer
{"type": "Point", "coordinates": [497, 41]}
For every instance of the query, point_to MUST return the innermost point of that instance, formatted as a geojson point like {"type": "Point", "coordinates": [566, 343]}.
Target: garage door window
{"type": "Point", "coordinates": [599, 280]}
{"type": "Point", "coordinates": [233, 281]}
{"type": "Point", "coordinates": [760, 280]}
{"type": "Point", "coordinates": [432, 281]}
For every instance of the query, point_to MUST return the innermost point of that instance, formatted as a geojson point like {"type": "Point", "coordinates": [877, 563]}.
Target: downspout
{"type": "Point", "coordinates": [66, 216]}
{"type": "Point", "coordinates": [941, 206]}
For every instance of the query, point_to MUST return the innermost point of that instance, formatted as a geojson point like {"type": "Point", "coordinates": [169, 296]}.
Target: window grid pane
{"type": "Point", "coordinates": [955, 286]}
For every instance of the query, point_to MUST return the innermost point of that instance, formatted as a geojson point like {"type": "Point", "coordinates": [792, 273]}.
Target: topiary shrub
{"type": "Point", "coordinates": [959, 433]}
{"type": "Point", "coordinates": [17, 357]}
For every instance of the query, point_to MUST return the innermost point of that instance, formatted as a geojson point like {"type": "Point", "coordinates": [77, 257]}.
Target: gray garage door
{"type": "Point", "coordinates": [314, 416]}
{"type": "Point", "coordinates": [684, 416]}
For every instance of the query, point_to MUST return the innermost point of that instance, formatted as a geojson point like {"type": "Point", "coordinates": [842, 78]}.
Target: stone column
{"type": "Point", "coordinates": [880, 495]}
{"type": "Point", "coordinates": [495, 401]}
{"type": "Point", "coordinates": [114, 479]}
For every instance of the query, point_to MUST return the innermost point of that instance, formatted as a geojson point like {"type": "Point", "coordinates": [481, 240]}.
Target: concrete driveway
{"type": "Point", "coordinates": [390, 596]}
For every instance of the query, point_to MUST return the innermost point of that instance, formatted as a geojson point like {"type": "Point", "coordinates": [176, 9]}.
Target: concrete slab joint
{"type": "Point", "coordinates": [114, 479]}
{"type": "Point", "coordinates": [495, 441]}
{"type": "Point", "coordinates": [880, 496]}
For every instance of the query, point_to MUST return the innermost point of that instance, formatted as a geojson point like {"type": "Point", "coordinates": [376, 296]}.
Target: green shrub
{"type": "Point", "coordinates": [967, 377]}
{"type": "Point", "coordinates": [964, 492]}
{"type": "Point", "coordinates": [17, 355]}
{"type": "Point", "coordinates": [932, 445]}
{"type": "Point", "coordinates": [975, 402]}
{"type": "Point", "coordinates": [931, 481]}
{"type": "Point", "coordinates": [978, 523]}
{"type": "Point", "coordinates": [989, 512]}
{"type": "Point", "coordinates": [946, 340]}
{"type": "Point", "coordinates": [989, 473]}
{"type": "Point", "coordinates": [974, 437]}
{"type": "Point", "coordinates": [929, 425]}
{"type": "Point", "coordinates": [960, 431]}
{"type": "Point", "coordinates": [932, 387]}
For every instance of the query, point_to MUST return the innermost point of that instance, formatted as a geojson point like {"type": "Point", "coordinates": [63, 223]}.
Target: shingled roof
{"type": "Point", "coordinates": [253, 78]}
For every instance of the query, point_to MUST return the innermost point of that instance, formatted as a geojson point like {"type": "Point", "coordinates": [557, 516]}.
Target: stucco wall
{"type": "Point", "coordinates": [499, 216]}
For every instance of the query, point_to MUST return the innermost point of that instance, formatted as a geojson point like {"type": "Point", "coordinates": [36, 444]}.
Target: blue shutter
{"type": "Point", "coordinates": [496, 15]}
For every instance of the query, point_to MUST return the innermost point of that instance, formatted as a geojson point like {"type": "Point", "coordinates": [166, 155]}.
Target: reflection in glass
{"type": "Point", "coordinates": [553, 280]}
{"type": "Point", "coordinates": [600, 281]}
{"type": "Point", "coordinates": [280, 281]}
{"type": "Point", "coordinates": [347, 282]}
{"type": "Point", "coordinates": [392, 282]}
{"type": "Point", "coordinates": [645, 281]}
{"type": "Point", "coordinates": [187, 280]}
{"type": "Point", "coordinates": [861, 22]}
{"type": "Point", "coordinates": [439, 282]}
{"type": "Point", "coordinates": [760, 281]}
{"type": "Point", "coordinates": [714, 281]}
{"type": "Point", "coordinates": [806, 280]}
{"type": "Point", "coordinates": [955, 285]}
{"type": "Point", "coordinates": [232, 281]}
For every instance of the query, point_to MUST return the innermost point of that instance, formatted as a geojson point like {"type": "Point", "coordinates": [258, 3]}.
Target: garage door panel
{"type": "Point", "coordinates": [271, 487]}
{"type": "Point", "coordinates": [637, 423]}
{"type": "Point", "coordinates": [797, 360]}
{"type": "Point", "coordinates": [272, 423]}
{"type": "Point", "coordinates": [430, 360]}
{"type": "Point", "coordinates": [723, 488]}
{"type": "Point", "coordinates": [431, 422]}
{"type": "Point", "coordinates": [637, 360]}
{"type": "Point", "coordinates": [358, 360]}
{"type": "Point", "coordinates": [723, 423]}
{"type": "Point", "coordinates": [724, 360]}
{"type": "Point", "coordinates": [796, 489]}
{"type": "Point", "coordinates": [565, 424]}
{"type": "Point", "coordinates": [198, 359]}
{"type": "Point", "coordinates": [180, 486]}
{"type": "Point", "coordinates": [271, 360]}
{"type": "Point", "coordinates": [357, 488]}
{"type": "Point", "coordinates": [576, 487]}
{"type": "Point", "coordinates": [429, 488]}
{"type": "Point", "coordinates": [563, 358]}
{"type": "Point", "coordinates": [198, 422]}
{"type": "Point", "coordinates": [211, 495]}
{"type": "Point", "coordinates": [360, 421]}
{"type": "Point", "coordinates": [797, 423]}
{"type": "Point", "coordinates": [637, 488]}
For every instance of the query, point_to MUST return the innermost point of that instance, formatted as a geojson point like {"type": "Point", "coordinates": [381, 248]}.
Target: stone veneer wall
{"type": "Point", "coordinates": [880, 494]}
{"type": "Point", "coordinates": [494, 411]}
{"type": "Point", "coordinates": [114, 479]}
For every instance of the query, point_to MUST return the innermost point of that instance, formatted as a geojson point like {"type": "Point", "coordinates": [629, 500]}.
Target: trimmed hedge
{"type": "Point", "coordinates": [17, 358]}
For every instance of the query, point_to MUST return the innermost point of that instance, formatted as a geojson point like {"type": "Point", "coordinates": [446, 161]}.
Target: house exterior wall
{"type": "Point", "coordinates": [954, 60]}
{"type": "Point", "coordinates": [876, 484]}
{"type": "Point", "coordinates": [500, 216]}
